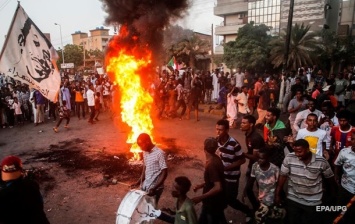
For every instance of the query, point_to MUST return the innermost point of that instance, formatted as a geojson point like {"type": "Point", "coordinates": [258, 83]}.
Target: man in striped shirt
{"type": "Point", "coordinates": [231, 154]}
{"type": "Point", "coordinates": [155, 169]}
{"type": "Point", "coordinates": [305, 172]}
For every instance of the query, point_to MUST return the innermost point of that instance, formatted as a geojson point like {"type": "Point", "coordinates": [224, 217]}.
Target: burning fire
{"type": "Point", "coordinates": [126, 64]}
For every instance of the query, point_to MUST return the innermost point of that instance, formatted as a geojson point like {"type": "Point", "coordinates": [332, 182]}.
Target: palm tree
{"type": "Point", "coordinates": [192, 47]}
{"type": "Point", "coordinates": [303, 44]}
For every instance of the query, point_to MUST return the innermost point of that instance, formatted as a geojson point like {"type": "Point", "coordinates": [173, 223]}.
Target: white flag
{"type": "Point", "coordinates": [29, 57]}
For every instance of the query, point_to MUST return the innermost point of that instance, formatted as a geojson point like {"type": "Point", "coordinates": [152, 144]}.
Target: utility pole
{"type": "Point", "coordinates": [212, 50]}
{"type": "Point", "coordinates": [288, 35]}
{"type": "Point", "coordinates": [61, 40]}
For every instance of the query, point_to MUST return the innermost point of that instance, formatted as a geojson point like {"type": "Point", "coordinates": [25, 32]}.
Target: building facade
{"type": "Point", "coordinates": [234, 13]}
{"type": "Point", "coordinates": [336, 15]}
{"type": "Point", "coordinates": [97, 40]}
{"type": "Point", "coordinates": [265, 12]}
{"type": "Point", "coordinates": [347, 17]}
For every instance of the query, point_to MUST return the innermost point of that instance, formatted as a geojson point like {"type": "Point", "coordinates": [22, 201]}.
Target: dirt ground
{"type": "Point", "coordinates": [84, 171]}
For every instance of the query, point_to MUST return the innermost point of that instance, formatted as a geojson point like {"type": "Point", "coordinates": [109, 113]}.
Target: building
{"type": "Point", "coordinates": [336, 15]}
{"type": "Point", "coordinates": [234, 13]}
{"type": "Point", "coordinates": [266, 12]}
{"type": "Point", "coordinates": [309, 12]}
{"type": "Point", "coordinates": [347, 17]}
{"type": "Point", "coordinates": [203, 62]}
{"type": "Point", "coordinates": [97, 40]}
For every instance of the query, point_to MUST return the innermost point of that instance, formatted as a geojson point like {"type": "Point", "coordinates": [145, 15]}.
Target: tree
{"type": "Point", "coordinates": [335, 50]}
{"type": "Point", "coordinates": [192, 47]}
{"type": "Point", "coordinates": [96, 54]}
{"type": "Point", "coordinates": [303, 46]}
{"type": "Point", "coordinates": [250, 49]}
{"type": "Point", "coordinates": [72, 54]}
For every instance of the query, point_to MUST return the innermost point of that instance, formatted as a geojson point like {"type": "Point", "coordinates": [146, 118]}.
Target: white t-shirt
{"type": "Point", "coordinates": [243, 98]}
{"type": "Point", "coordinates": [239, 78]}
{"type": "Point", "coordinates": [327, 128]}
{"type": "Point", "coordinates": [91, 98]}
{"type": "Point", "coordinates": [314, 139]}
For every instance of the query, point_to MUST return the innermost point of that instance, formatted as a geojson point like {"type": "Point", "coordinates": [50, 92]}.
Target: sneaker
{"type": "Point", "coordinates": [66, 126]}
{"type": "Point", "coordinates": [55, 129]}
{"type": "Point", "coordinates": [96, 119]}
{"type": "Point", "coordinates": [11, 126]}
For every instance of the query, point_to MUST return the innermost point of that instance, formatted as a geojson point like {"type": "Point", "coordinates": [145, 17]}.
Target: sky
{"type": "Point", "coordinates": [85, 15]}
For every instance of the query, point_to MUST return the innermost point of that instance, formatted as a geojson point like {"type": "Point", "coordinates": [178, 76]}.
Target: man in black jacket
{"type": "Point", "coordinates": [20, 198]}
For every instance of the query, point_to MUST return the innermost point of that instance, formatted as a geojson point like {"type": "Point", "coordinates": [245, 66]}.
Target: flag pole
{"type": "Point", "coordinates": [10, 29]}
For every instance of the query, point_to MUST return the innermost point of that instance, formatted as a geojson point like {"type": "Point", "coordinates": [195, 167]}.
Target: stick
{"type": "Point", "coordinates": [340, 216]}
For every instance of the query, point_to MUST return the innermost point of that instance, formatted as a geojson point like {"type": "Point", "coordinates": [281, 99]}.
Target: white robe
{"type": "Point", "coordinates": [215, 92]}
{"type": "Point", "coordinates": [231, 109]}
{"type": "Point", "coordinates": [34, 109]}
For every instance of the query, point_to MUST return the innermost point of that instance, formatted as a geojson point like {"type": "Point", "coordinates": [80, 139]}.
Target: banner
{"type": "Point", "coordinates": [29, 57]}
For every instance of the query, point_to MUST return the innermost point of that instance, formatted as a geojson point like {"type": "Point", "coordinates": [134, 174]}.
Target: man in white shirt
{"type": "Point", "coordinates": [315, 137]}
{"type": "Point", "coordinates": [242, 102]}
{"type": "Point", "coordinates": [300, 120]}
{"type": "Point", "coordinates": [239, 78]}
{"type": "Point", "coordinates": [90, 94]}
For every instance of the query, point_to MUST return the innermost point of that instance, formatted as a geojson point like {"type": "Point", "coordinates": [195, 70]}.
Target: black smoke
{"type": "Point", "coordinates": [144, 19]}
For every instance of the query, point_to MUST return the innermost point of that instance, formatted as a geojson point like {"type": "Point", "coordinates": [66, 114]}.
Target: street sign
{"type": "Point", "coordinates": [67, 65]}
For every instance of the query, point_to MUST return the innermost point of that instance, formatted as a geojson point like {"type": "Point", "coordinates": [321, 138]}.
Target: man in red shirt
{"type": "Point", "coordinates": [340, 135]}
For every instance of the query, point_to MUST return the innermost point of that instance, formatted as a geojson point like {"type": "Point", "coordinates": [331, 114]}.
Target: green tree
{"type": "Point", "coordinates": [335, 50]}
{"type": "Point", "coordinates": [72, 54]}
{"type": "Point", "coordinates": [192, 47]}
{"type": "Point", "coordinates": [250, 49]}
{"type": "Point", "coordinates": [303, 45]}
{"type": "Point", "coordinates": [96, 54]}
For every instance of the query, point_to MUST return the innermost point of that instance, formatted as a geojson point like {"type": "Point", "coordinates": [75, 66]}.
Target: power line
{"type": "Point", "coordinates": [4, 5]}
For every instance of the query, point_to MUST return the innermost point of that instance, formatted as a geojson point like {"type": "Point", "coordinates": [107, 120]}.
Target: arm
{"type": "Point", "coordinates": [253, 157]}
{"type": "Point", "coordinates": [280, 184]}
{"type": "Point", "coordinates": [161, 178]}
{"type": "Point", "coordinates": [140, 180]}
{"type": "Point", "coordinates": [291, 109]}
{"type": "Point", "coordinates": [235, 164]}
{"type": "Point", "coordinates": [217, 187]}
{"type": "Point", "coordinates": [198, 187]}
{"type": "Point", "coordinates": [332, 186]}
{"type": "Point", "coordinates": [325, 151]}
{"type": "Point", "coordinates": [337, 174]}
{"type": "Point", "coordinates": [191, 214]}
{"type": "Point", "coordinates": [298, 121]}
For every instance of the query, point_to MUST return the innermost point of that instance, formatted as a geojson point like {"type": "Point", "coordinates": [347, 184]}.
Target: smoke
{"type": "Point", "coordinates": [144, 19]}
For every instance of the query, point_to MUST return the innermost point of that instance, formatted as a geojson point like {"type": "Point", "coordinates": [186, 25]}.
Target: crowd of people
{"type": "Point", "coordinates": [297, 164]}
{"type": "Point", "coordinates": [78, 97]}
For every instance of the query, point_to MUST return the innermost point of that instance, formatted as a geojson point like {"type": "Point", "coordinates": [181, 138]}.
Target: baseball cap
{"type": "Point", "coordinates": [210, 145]}
{"type": "Point", "coordinates": [11, 168]}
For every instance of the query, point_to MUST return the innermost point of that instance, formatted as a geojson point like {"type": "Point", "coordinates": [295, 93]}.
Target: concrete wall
{"type": "Point", "coordinates": [347, 14]}
{"type": "Point", "coordinates": [230, 7]}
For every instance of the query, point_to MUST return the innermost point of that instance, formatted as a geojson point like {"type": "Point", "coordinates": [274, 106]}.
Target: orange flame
{"type": "Point", "coordinates": [135, 101]}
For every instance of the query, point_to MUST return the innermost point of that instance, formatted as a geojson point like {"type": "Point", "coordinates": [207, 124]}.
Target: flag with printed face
{"type": "Point", "coordinates": [29, 57]}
